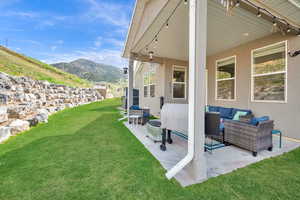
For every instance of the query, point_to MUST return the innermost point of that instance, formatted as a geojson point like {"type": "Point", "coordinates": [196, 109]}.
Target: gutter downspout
{"type": "Point", "coordinates": [192, 55]}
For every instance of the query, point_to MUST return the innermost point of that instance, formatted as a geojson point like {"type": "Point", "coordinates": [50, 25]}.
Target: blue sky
{"type": "Point", "coordinates": [65, 30]}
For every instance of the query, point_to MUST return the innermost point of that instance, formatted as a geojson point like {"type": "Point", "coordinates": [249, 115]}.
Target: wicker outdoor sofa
{"type": "Point", "coordinates": [248, 136]}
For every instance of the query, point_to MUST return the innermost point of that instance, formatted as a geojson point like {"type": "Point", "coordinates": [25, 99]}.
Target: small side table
{"type": "Point", "coordinates": [134, 118]}
{"type": "Point", "coordinates": [276, 132]}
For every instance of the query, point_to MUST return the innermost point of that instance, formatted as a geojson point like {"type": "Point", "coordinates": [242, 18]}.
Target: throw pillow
{"type": "Point", "coordinates": [256, 120]}
{"type": "Point", "coordinates": [206, 109]}
{"type": "Point", "coordinates": [238, 114]}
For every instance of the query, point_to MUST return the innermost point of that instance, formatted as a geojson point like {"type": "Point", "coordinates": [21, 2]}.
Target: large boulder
{"type": "Point", "coordinates": [3, 114]}
{"type": "Point", "coordinates": [4, 133]}
{"type": "Point", "coordinates": [17, 112]}
{"type": "Point", "coordinates": [19, 126]}
{"type": "Point", "coordinates": [42, 115]}
{"type": "Point", "coordinates": [42, 118]}
{"type": "Point", "coordinates": [4, 98]}
{"type": "Point", "coordinates": [33, 121]}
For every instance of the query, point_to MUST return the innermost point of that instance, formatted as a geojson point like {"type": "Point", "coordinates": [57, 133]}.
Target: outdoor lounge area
{"type": "Point", "coordinates": [238, 57]}
{"type": "Point", "coordinates": [219, 161]}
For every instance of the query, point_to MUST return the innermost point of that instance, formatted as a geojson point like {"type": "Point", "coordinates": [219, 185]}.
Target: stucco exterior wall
{"type": "Point", "coordinates": [285, 115]}
{"type": "Point", "coordinates": [163, 85]}
{"type": "Point", "coordinates": [150, 102]}
{"type": "Point", "coordinates": [169, 63]}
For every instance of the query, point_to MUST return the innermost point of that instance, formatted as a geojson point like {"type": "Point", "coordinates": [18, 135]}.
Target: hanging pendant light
{"type": "Point", "coordinates": [288, 30]}
{"type": "Point", "coordinates": [151, 55]}
{"type": "Point", "coordinates": [125, 70]}
{"type": "Point", "coordinates": [258, 13]}
{"type": "Point", "coordinates": [274, 21]}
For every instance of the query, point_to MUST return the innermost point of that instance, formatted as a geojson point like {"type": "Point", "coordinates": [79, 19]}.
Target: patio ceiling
{"type": "Point", "coordinates": [224, 32]}
{"type": "Point", "coordinates": [287, 8]}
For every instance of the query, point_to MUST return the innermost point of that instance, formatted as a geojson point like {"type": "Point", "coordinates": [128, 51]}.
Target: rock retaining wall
{"type": "Point", "coordinates": [25, 102]}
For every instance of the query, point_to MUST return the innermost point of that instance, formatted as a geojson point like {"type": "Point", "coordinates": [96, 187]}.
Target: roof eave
{"type": "Point", "coordinates": [136, 16]}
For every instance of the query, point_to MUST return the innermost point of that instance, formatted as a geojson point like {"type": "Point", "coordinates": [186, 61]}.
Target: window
{"type": "Point", "coordinates": [149, 81]}
{"type": "Point", "coordinates": [152, 81]}
{"type": "Point", "coordinates": [225, 78]}
{"type": "Point", "coordinates": [269, 71]}
{"type": "Point", "coordinates": [179, 82]}
{"type": "Point", "coordinates": [146, 84]}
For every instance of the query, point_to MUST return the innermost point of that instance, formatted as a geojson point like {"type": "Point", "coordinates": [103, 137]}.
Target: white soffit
{"type": "Point", "coordinates": [295, 3]}
{"type": "Point", "coordinates": [287, 8]}
{"type": "Point", "coordinates": [224, 32]}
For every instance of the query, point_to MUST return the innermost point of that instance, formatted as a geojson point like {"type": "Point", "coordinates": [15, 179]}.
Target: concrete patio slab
{"type": "Point", "coordinates": [220, 161]}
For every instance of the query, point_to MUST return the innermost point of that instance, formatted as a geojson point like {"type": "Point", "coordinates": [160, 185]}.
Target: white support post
{"type": "Point", "coordinates": [197, 93]}
{"type": "Point", "coordinates": [130, 85]}
{"type": "Point", "coordinates": [197, 85]}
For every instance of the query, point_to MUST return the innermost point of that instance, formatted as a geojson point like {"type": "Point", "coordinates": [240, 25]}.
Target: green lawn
{"type": "Point", "coordinates": [86, 153]}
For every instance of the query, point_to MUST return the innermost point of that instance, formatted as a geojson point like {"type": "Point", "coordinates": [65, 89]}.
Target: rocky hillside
{"type": "Point", "coordinates": [25, 102]}
{"type": "Point", "coordinates": [91, 71]}
{"type": "Point", "coordinates": [19, 65]}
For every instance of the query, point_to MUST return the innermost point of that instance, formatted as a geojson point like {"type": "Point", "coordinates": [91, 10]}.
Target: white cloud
{"type": "Point", "coordinates": [19, 14]}
{"type": "Point", "coordinates": [106, 56]}
{"type": "Point", "coordinates": [112, 42]}
{"type": "Point", "coordinates": [11, 29]}
{"type": "Point", "coordinates": [115, 42]}
{"type": "Point", "coordinates": [98, 41]}
{"type": "Point", "coordinates": [32, 42]}
{"type": "Point", "coordinates": [4, 3]}
{"type": "Point", "coordinates": [110, 13]}
{"type": "Point", "coordinates": [53, 48]}
{"type": "Point", "coordinates": [59, 42]}
{"type": "Point", "coordinates": [45, 23]}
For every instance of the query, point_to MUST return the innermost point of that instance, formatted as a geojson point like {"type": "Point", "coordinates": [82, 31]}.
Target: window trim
{"type": "Point", "coordinates": [285, 42]}
{"type": "Point", "coordinates": [184, 68]}
{"type": "Point", "coordinates": [225, 79]}
{"type": "Point", "coordinates": [145, 85]}
{"type": "Point", "coordinates": [154, 68]}
{"type": "Point", "coordinates": [149, 84]}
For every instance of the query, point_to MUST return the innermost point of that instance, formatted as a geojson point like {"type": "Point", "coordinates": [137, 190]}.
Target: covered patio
{"type": "Point", "coordinates": [219, 161]}
{"type": "Point", "coordinates": [191, 31]}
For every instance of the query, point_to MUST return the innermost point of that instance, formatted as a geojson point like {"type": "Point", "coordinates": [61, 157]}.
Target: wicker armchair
{"type": "Point", "coordinates": [144, 113]}
{"type": "Point", "coordinates": [250, 137]}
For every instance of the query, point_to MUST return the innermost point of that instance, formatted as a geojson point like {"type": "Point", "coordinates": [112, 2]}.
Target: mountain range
{"type": "Point", "coordinates": [17, 64]}
{"type": "Point", "coordinates": [91, 71]}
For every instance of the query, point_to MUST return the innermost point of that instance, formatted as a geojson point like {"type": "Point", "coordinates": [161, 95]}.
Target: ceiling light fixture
{"type": "Point", "coordinates": [258, 13]}
{"type": "Point", "coordinates": [288, 29]}
{"type": "Point", "coordinates": [274, 21]}
{"type": "Point", "coordinates": [151, 55]}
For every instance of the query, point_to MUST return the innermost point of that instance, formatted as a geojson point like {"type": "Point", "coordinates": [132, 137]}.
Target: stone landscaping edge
{"type": "Point", "coordinates": [25, 102]}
